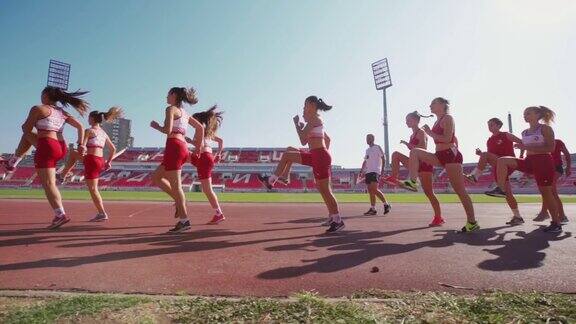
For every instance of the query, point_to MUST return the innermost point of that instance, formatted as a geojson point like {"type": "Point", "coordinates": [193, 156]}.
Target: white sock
{"type": "Point", "coordinates": [13, 162]}
{"type": "Point", "coordinates": [477, 173]}
{"type": "Point", "coordinates": [516, 213]}
{"type": "Point", "coordinates": [59, 212]}
{"type": "Point", "coordinates": [336, 218]}
{"type": "Point", "coordinates": [272, 179]}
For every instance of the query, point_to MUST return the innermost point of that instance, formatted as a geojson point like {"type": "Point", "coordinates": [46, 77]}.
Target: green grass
{"type": "Point", "coordinates": [264, 197]}
{"type": "Point", "coordinates": [366, 307]}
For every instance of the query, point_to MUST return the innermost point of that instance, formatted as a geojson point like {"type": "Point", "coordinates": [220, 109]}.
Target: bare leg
{"type": "Point", "coordinates": [26, 142]}
{"type": "Point", "coordinates": [456, 176]}
{"type": "Point", "coordinates": [174, 178]}
{"type": "Point", "coordinates": [548, 196]}
{"type": "Point", "coordinates": [159, 179]}
{"type": "Point", "coordinates": [504, 164]}
{"type": "Point", "coordinates": [426, 182]}
{"type": "Point", "coordinates": [329, 199]}
{"type": "Point", "coordinates": [288, 165]}
{"type": "Point", "coordinates": [287, 158]}
{"type": "Point", "coordinates": [209, 192]}
{"type": "Point", "coordinates": [492, 159]}
{"type": "Point", "coordinates": [48, 178]}
{"type": "Point", "coordinates": [418, 155]}
{"type": "Point", "coordinates": [70, 163]}
{"type": "Point", "coordinates": [375, 192]}
{"type": "Point", "coordinates": [96, 198]}
{"type": "Point", "coordinates": [397, 159]}
{"type": "Point", "coordinates": [559, 203]}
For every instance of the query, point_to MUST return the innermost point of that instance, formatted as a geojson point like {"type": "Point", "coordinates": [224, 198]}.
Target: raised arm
{"type": "Point", "coordinates": [567, 160]}
{"type": "Point", "coordinates": [76, 124]}
{"type": "Point", "coordinates": [168, 121]}
{"type": "Point", "coordinates": [513, 138]}
{"type": "Point", "coordinates": [300, 130]}
{"type": "Point", "coordinates": [33, 115]}
{"type": "Point", "coordinates": [327, 140]}
{"type": "Point", "coordinates": [198, 133]}
{"type": "Point", "coordinates": [220, 142]}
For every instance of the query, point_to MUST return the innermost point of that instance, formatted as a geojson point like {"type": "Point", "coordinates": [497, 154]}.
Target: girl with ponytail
{"type": "Point", "coordinates": [204, 159]}
{"type": "Point", "coordinates": [538, 142]}
{"type": "Point", "coordinates": [312, 132]}
{"type": "Point", "coordinates": [168, 174]}
{"type": "Point", "coordinates": [418, 139]}
{"type": "Point", "coordinates": [49, 119]}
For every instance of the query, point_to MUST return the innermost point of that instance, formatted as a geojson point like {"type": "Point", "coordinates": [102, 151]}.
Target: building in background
{"type": "Point", "coordinates": [119, 132]}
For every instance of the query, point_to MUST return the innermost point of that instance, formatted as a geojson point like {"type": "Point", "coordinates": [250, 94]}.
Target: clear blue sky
{"type": "Point", "coordinates": [259, 59]}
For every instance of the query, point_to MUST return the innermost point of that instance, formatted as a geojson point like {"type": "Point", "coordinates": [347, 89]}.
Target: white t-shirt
{"type": "Point", "coordinates": [373, 158]}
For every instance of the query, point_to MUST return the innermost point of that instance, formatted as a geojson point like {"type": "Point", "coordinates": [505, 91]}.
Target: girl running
{"type": "Point", "coordinates": [538, 141]}
{"type": "Point", "coordinates": [205, 160]}
{"type": "Point", "coordinates": [48, 118]}
{"type": "Point", "coordinates": [499, 144]}
{"type": "Point", "coordinates": [418, 139]}
{"type": "Point", "coordinates": [95, 139]}
{"type": "Point", "coordinates": [312, 133]}
{"type": "Point", "coordinates": [447, 156]}
{"type": "Point", "coordinates": [168, 174]}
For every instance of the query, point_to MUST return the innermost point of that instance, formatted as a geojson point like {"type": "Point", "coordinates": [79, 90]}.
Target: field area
{"type": "Point", "coordinates": [263, 197]}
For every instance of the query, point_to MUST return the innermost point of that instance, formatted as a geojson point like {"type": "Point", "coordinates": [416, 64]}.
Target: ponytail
{"type": "Point", "coordinates": [211, 119]}
{"type": "Point", "coordinates": [187, 95]}
{"type": "Point", "coordinates": [544, 113]}
{"type": "Point", "coordinates": [109, 116]}
{"type": "Point", "coordinates": [68, 98]}
{"type": "Point", "coordinates": [320, 104]}
{"type": "Point", "coordinates": [416, 115]}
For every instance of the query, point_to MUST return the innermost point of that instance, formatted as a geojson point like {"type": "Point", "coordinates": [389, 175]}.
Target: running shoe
{"type": "Point", "coordinates": [335, 227]}
{"type": "Point", "coordinates": [217, 219]}
{"type": "Point", "coordinates": [58, 221]}
{"type": "Point", "coordinates": [387, 208]}
{"type": "Point", "coordinates": [371, 212]}
{"type": "Point", "coordinates": [553, 228]}
{"type": "Point", "coordinates": [283, 181]}
{"type": "Point", "coordinates": [180, 227]}
{"type": "Point", "coordinates": [471, 178]}
{"type": "Point", "coordinates": [470, 227]}
{"type": "Point", "coordinates": [409, 185]}
{"type": "Point", "coordinates": [99, 218]}
{"type": "Point", "coordinates": [437, 221]}
{"type": "Point", "coordinates": [564, 220]}
{"type": "Point", "coordinates": [541, 217]}
{"type": "Point", "coordinates": [264, 181]}
{"type": "Point", "coordinates": [515, 221]}
{"type": "Point", "coordinates": [496, 192]}
{"type": "Point", "coordinates": [390, 180]}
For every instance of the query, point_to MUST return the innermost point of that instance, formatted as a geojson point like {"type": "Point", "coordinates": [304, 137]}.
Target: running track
{"type": "Point", "coordinates": [278, 249]}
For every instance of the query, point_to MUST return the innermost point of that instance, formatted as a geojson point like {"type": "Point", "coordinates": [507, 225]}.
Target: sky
{"type": "Point", "coordinates": [258, 60]}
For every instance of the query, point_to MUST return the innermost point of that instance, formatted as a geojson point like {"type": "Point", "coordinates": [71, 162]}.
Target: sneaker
{"type": "Point", "coordinates": [335, 227]}
{"type": "Point", "coordinates": [180, 227]}
{"type": "Point", "coordinates": [469, 227]}
{"type": "Point", "coordinates": [553, 228]}
{"type": "Point", "coordinates": [371, 212]}
{"type": "Point", "coordinates": [515, 221]}
{"type": "Point", "coordinates": [387, 208]}
{"type": "Point", "coordinates": [393, 181]}
{"type": "Point", "coordinates": [58, 221]}
{"type": "Point", "coordinates": [564, 220]}
{"type": "Point", "coordinates": [99, 218]}
{"type": "Point", "coordinates": [541, 217]}
{"type": "Point", "coordinates": [471, 178]}
{"type": "Point", "coordinates": [264, 181]}
{"type": "Point", "coordinates": [218, 218]}
{"type": "Point", "coordinates": [409, 185]}
{"type": "Point", "coordinates": [496, 192]}
{"type": "Point", "coordinates": [437, 221]}
{"type": "Point", "coordinates": [283, 181]}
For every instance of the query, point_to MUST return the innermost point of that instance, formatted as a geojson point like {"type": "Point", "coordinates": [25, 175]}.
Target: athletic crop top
{"type": "Point", "coordinates": [317, 132]}
{"type": "Point", "coordinates": [99, 140]}
{"type": "Point", "coordinates": [534, 137]}
{"type": "Point", "coordinates": [414, 139]}
{"type": "Point", "coordinates": [53, 122]}
{"type": "Point", "coordinates": [180, 125]}
{"type": "Point", "coordinates": [206, 146]}
{"type": "Point", "coordinates": [437, 129]}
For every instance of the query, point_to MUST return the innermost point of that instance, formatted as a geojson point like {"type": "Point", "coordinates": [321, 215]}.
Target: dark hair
{"type": "Point", "coordinates": [68, 98]}
{"type": "Point", "coordinates": [496, 121]}
{"type": "Point", "coordinates": [320, 104]}
{"type": "Point", "coordinates": [110, 115]}
{"type": "Point", "coordinates": [187, 95]}
{"type": "Point", "coordinates": [443, 101]}
{"type": "Point", "coordinates": [545, 113]}
{"type": "Point", "coordinates": [211, 119]}
{"type": "Point", "coordinates": [416, 115]}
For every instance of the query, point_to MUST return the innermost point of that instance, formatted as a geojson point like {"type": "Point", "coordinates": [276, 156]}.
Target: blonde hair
{"type": "Point", "coordinates": [546, 114]}
{"type": "Point", "coordinates": [112, 114]}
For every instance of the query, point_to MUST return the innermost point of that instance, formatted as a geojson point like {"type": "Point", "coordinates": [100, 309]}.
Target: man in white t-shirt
{"type": "Point", "coordinates": [372, 168]}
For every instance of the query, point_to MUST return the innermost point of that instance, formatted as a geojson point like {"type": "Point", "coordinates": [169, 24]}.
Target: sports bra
{"type": "Point", "coordinates": [53, 122]}
{"type": "Point", "coordinates": [206, 146]}
{"type": "Point", "coordinates": [437, 129]}
{"type": "Point", "coordinates": [99, 140]}
{"type": "Point", "coordinates": [180, 124]}
{"type": "Point", "coordinates": [534, 137]}
{"type": "Point", "coordinates": [317, 132]}
{"type": "Point", "coordinates": [414, 138]}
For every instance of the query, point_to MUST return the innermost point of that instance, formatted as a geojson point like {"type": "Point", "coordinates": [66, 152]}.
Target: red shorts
{"type": "Point", "coordinates": [175, 154]}
{"type": "Point", "coordinates": [539, 165]}
{"type": "Point", "coordinates": [320, 161]}
{"type": "Point", "coordinates": [449, 156]}
{"type": "Point", "coordinates": [93, 166]}
{"type": "Point", "coordinates": [425, 167]}
{"type": "Point", "coordinates": [48, 152]}
{"type": "Point", "coordinates": [204, 164]}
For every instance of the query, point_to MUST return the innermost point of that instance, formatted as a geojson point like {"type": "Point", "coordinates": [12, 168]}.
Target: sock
{"type": "Point", "coordinates": [516, 213]}
{"type": "Point", "coordinates": [476, 173]}
{"type": "Point", "coordinates": [13, 162]}
{"type": "Point", "coordinates": [59, 212]}
{"type": "Point", "coordinates": [336, 218]}
{"type": "Point", "coordinates": [218, 211]}
{"type": "Point", "coordinates": [272, 179]}
{"type": "Point", "coordinates": [372, 206]}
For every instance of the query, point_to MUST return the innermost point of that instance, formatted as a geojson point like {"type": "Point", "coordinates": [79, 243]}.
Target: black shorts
{"type": "Point", "coordinates": [371, 177]}
{"type": "Point", "coordinates": [560, 169]}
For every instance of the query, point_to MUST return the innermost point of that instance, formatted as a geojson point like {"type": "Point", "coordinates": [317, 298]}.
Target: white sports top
{"type": "Point", "coordinates": [53, 122]}
{"type": "Point", "coordinates": [206, 146]}
{"type": "Point", "coordinates": [534, 137]}
{"type": "Point", "coordinates": [99, 140]}
{"type": "Point", "coordinates": [180, 125]}
{"type": "Point", "coordinates": [316, 132]}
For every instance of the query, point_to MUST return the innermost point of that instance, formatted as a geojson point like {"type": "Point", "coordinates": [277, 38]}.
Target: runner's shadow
{"type": "Point", "coordinates": [93, 227]}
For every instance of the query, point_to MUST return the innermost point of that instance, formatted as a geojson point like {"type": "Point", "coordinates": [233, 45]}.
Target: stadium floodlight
{"type": "Point", "coordinates": [383, 81]}
{"type": "Point", "coordinates": [58, 74]}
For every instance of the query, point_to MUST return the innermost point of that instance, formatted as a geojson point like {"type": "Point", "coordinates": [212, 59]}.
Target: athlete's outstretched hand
{"type": "Point", "coordinates": [107, 166]}
{"type": "Point", "coordinates": [478, 151]}
{"type": "Point", "coordinates": [297, 122]}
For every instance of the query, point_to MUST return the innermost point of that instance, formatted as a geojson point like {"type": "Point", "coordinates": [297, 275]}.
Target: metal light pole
{"type": "Point", "coordinates": [383, 81]}
{"type": "Point", "coordinates": [509, 123]}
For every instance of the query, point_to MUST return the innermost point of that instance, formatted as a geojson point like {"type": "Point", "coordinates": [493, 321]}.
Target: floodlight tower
{"type": "Point", "coordinates": [383, 81]}
{"type": "Point", "coordinates": [58, 74]}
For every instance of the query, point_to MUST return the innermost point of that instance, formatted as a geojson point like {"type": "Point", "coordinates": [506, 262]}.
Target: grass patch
{"type": "Point", "coordinates": [366, 307]}
{"type": "Point", "coordinates": [228, 197]}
